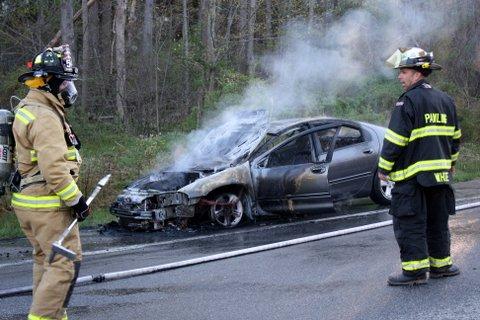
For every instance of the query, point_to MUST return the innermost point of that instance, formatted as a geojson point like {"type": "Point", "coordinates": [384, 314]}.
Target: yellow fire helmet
{"type": "Point", "coordinates": [412, 58]}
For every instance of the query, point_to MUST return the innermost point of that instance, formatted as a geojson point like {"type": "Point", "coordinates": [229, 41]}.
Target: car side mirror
{"type": "Point", "coordinates": [322, 159]}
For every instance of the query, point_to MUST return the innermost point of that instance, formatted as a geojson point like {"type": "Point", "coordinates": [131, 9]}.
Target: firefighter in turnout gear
{"type": "Point", "coordinates": [47, 199]}
{"type": "Point", "coordinates": [419, 153]}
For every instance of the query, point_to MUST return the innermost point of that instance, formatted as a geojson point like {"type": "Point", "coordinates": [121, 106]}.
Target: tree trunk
{"type": "Point", "coordinates": [242, 35]}
{"type": "Point", "coordinates": [251, 36]}
{"type": "Point", "coordinates": [147, 29]}
{"type": "Point", "coordinates": [268, 22]}
{"type": "Point", "coordinates": [186, 53]}
{"type": "Point", "coordinates": [85, 55]}
{"type": "Point", "coordinates": [105, 32]}
{"type": "Point", "coordinates": [311, 13]}
{"type": "Point", "coordinates": [67, 24]}
{"type": "Point", "coordinates": [120, 20]}
{"type": "Point", "coordinates": [208, 32]}
{"type": "Point", "coordinates": [94, 30]}
{"type": "Point", "coordinates": [39, 23]}
{"type": "Point", "coordinates": [132, 18]}
{"type": "Point", "coordinates": [228, 30]}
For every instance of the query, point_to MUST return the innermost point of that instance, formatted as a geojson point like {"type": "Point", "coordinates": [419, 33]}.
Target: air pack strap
{"type": "Point", "coordinates": [33, 179]}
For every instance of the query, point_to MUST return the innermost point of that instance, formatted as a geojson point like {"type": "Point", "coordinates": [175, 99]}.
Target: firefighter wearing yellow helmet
{"type": "Point", "coordinates": [419, 153]}
{"type": "Point", "coordinates": [45, 196]}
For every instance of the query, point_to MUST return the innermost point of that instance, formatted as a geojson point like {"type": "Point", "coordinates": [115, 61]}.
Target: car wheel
{"type": "Point", "coordinates": [382, 191]}
{"type": "Point", "coordinates": [227, 210]}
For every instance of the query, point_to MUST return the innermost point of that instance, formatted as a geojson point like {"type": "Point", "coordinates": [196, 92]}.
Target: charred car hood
{"type": "Point", "coordinates": [165, 181]}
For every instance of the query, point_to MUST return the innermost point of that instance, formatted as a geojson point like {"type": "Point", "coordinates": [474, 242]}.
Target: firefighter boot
{"type": "Point", "coordinates": [408, 278]}
{"type": "Point", "coordinates": [447, 271]}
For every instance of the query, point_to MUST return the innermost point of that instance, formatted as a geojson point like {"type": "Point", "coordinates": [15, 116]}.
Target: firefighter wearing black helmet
{"type": "Point", "coordinates": [46, 198]}
{"type": "Point", "coordinates": [419, 153]}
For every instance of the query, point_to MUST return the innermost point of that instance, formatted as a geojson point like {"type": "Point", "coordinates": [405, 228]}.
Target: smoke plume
{"type": "Point", "coordinates": [317, 62]}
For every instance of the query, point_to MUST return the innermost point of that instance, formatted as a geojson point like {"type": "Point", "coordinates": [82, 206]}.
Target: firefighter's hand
{"type": "Point", "coordinates": [81, 210]}
{"type": "Point", "coordinates": [452, 170]}
{"type": "Point", "coordinates": [383, 177]}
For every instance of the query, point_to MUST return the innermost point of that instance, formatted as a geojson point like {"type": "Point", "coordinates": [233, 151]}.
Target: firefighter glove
{"type": "Point", "coordinates": [81, 210]}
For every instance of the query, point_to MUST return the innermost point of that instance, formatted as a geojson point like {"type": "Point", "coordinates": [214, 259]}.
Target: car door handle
{"type": "Point", "coordinates": [368, 151]}
{"type": "Point", "coordinates": [319, 168]}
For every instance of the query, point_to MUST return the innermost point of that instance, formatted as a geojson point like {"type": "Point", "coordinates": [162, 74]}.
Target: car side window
{"type": "Point", "coordinates": [297, 151]}
{"type": "Point", "coordinates": [325, 137]}
{"type": "Point", "coordinates": [271, 141]}
{"type": "Point", "coordinates": [348, 136]}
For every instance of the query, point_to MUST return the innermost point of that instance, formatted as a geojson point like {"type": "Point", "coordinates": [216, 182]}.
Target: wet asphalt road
{"type": "Point", "coordinates": [336, 278]}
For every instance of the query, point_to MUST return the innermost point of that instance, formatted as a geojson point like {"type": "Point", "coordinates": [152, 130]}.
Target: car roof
{"type": "Point", "coordinates": [277, 127]}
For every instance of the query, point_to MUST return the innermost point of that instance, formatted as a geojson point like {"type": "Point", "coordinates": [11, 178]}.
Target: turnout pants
{"type": "Point", "coordinates": [420, 223]}
{"type": "Point", "coordinates": [52, 282]}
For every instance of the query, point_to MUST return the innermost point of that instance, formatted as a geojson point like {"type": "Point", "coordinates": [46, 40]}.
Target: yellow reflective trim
{"type": "Point", "coordinates": [438, 263]}
{"type": "Point", "coordinates": [35, 202]}
{"type": "Point", "coordinates": [395, 138]}
{"type": "Point", "coordinates": [71, 153]}
{"type": "Point", "coordinates": [24, 116]}
{"type": "Point", "coordinates": [28, 113]}
{"type": "Point", "coordinates": [457, 134]}
{"type": "Point", "coordinates": [415, 264]}
{"type": "Point", "coordinates": [22, 119]}
{"type": "Point", "coordinates": [33, 156]}
{"type": "Point", "coordinates": [69, 191]}
{"type": "Point", "coordinates": [35, 317]}
{"type": "Point", "coordinates": [455, 156]}
{"type": "Point", "coordinates": [430, 131]}
{"type": "Point", "coordinates": [385, 164]}
{"type": "Point", "coordinates": [427, 165]}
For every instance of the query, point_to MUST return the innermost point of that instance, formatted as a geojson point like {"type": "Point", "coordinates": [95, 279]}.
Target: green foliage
{"type": "Point", "coordinates": [9, 86]}
{"type": "Point", "coordinates": [9, 226]}
{"type": "Point", "coordinates": [468, 166]}
{"type": "Point", "coordinates": [231, 84]}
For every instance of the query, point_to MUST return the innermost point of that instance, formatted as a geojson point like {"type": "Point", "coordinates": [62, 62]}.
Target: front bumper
{"type": "Point", "coordinates": [152, 205]}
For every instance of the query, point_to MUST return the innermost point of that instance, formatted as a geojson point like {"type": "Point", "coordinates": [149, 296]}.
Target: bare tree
{"type": "Point", "coordinates": [93, 29]}
{"type": "Point", "coordinates": [120, 20]}
{"type": "Point", "coordinates": [268, 21]}
{"type": "Point", "coordinates": [251, 36]}
{"type": "Point", "coordinates": [67, 24]}
{"type": "Point", "coordinates": [85, 55]}
{"type": "Point", "coordinates": [186, 53]}
{"type": "Point", "coordinates": [207, 20]}
{"type": "Point", "coordinates": [131, 20]}
{"type": "Point", "coordinates": [105, 31]}
{"type": "Point", "coordinates": [147, 34]}
{"type": "Point", "coordinates": [242, 33]}
{"type": "Point", "coordinates": [311, 13]}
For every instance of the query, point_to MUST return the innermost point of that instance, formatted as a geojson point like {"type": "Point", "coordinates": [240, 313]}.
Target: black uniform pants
{"type": "Point", "coordinates": [420, 223]}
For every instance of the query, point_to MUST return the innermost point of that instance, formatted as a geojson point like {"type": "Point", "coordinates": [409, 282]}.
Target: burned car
{"type": "Point", "coordinates": [254, 167]}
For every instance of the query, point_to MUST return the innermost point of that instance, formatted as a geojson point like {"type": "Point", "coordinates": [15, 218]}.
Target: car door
{"type": "Point", "coordinates": [287, 178]}
{"type": "Point", "coordinates": [352, 163]}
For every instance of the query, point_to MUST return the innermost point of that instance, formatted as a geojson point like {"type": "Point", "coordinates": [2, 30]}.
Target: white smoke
{"type": "Point", "coordinates": [318, 63]}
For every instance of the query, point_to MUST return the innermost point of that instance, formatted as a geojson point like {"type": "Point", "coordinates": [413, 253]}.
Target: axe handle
{"type": "Point", "coordinates": [89, 200]}
{"type": "Point", "coordinates": [66, 232]}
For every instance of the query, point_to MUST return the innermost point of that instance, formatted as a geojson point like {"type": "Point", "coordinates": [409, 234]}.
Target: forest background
{"type": "Point", "coordinates": [152, 71]}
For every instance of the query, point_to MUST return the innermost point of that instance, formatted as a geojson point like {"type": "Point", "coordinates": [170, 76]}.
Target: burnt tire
{"type": "Point", "coordinates": [230, 209]}
{"type": "Point", "coordinates": [381, 191]}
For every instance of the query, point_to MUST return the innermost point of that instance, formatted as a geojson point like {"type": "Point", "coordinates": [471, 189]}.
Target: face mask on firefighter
{"type": "Point", "coordinates": [68, 93]}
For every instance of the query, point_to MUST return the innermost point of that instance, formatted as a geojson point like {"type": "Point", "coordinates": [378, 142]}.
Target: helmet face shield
{"type": "Point", "coordinates": [68, 92]}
